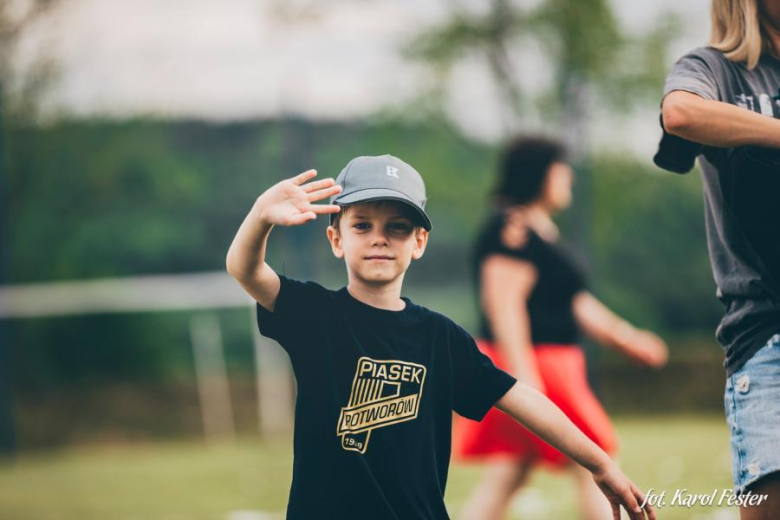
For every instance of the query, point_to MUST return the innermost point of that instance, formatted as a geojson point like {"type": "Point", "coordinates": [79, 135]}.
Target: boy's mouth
{"type": "Point", "coordinates": [379, 257]}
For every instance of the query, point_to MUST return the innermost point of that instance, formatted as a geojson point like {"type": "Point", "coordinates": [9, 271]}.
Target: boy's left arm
{"type": "Point", "coordinates": [539, 415]}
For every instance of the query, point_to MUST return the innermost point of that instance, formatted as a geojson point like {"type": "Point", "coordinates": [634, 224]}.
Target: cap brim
{"type": "Point", "coordinates": [374, 194]}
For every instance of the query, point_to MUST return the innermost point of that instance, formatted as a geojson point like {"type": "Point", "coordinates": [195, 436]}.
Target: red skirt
{"type": "Point", "coordinates": [562, 369]}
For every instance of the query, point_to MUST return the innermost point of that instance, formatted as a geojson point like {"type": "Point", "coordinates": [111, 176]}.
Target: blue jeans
{"type": "Point", "coordinates": [753, 414]}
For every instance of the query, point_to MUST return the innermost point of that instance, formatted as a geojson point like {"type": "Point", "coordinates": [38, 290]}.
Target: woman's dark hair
{"type": "Point", "coordinates": [524, 167]}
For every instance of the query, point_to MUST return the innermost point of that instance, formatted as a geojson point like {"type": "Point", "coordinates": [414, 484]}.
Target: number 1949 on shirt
{"type": "Point", "coordinates": [384, 392]}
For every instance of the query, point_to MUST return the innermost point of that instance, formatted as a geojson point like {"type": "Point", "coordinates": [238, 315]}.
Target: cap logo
{"type": "Point", "coordinates": [392, 172]}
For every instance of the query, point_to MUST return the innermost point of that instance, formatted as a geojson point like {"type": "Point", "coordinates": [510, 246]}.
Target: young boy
{"type": "Point", "coordinates": [379, 376]}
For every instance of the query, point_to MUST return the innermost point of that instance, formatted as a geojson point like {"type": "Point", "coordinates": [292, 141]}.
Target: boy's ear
{"type": "Point", "coordinates": [421, 241]}
{"type": "Point", "coordinates": [335, 242]}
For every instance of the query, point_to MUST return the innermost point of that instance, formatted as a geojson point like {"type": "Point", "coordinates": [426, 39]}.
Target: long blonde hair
{"type": "Point", "coordinates": [738, 32]}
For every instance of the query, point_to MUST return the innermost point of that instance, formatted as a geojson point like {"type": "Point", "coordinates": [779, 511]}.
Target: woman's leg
{"type": "Point", "coordinates": [753, 414]}
{"type": "Point", "coordinates": [500, 481]}
{"type": "Point", "coordinates": [593, 504]}
{"type": "Point", "coordinates": [768, 509]}
{"type": "Point", "coordinates": [567, 385]}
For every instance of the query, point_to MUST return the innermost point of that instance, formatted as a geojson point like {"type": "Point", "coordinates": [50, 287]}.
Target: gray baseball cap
{"type": "Point", "coordinates": [383, 177]}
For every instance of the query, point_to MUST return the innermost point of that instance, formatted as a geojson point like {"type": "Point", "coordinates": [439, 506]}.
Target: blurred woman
{"type": "Point", "coordinates": [534, 303]}
{"type": "Point", "coordinates": [722, 104]}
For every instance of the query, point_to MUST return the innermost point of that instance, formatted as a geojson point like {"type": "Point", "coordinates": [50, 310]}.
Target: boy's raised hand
{"type": "Point", "coordinates": [619, 490]}
{"type": "Point", "coordinates": [290, 202]}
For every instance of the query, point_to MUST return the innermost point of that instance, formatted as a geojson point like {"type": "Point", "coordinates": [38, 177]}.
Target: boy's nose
{"type": "Point", "coordinates": [379, 238]}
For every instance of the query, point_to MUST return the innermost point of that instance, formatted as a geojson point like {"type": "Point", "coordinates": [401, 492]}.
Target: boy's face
{"type": "Point", "coordinates": [378, 241]}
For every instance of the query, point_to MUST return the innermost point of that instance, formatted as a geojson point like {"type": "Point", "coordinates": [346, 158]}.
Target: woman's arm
{"type": "Point", "coordinates": [537, 413]}
{"type": "Point", "coordinates": [506, 285]}
{"type": "Point", "coordinates": [606, 327]}
{"type": "Point", "coordinates": [715, 123]}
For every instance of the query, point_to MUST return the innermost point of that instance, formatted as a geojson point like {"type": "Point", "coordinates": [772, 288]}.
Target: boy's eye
{"type": "Point", "coordinates": [362, 226]}
{"type": "Point", "coordinates": [400, 226]}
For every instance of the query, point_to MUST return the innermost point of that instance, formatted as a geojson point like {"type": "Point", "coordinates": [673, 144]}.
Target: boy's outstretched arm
{"type": "Point", "coordinates": [537, 413]}
{"type": "Point", "coordinates": [287, 203]}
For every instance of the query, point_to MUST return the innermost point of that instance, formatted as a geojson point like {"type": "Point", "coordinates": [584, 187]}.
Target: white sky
{"type": "Point", "coordinates": [246, 59]}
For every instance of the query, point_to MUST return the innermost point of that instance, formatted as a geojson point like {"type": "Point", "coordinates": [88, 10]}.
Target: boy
{"type": "Point", "coordinates": [379, 376]}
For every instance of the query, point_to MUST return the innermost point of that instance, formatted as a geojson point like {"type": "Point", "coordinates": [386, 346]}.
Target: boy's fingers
{"type": "Point", "coordinates": [631, 504]}
{"type": "Point", "coordinates": [318, 185]}
{"type": "Point", "coordinates": [324, 193]}
{"type": "Point", "coordinates": [648, 508]}
{"type": "Point", "coordinates": [640, 498]}
{"type": "Point", "coordinates": [303, 177]}
{"type": "Point", "coordinates": [301, 218]}
{"type": "Point", "coordinates": [325, 209]}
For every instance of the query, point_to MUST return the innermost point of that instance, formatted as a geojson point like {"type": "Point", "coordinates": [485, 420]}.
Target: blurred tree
{"type": "Point", "coordinates": [14, 17]}
{"type": "Point", "coordinates": [650, 248]}
{"type": "Point", "coordinates": [593, 63]}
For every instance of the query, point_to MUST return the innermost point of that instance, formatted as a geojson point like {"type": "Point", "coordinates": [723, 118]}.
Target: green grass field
{"type": "Point", "coordinates": [192, 481]}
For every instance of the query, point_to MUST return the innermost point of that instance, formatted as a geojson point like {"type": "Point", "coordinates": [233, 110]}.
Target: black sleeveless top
{"type": "Point", "coordinates": [558, 280]}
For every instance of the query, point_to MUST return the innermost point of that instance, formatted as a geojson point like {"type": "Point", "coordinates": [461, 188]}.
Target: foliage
{"type": "Point", "coordinates": [104, 199]}
{"type": "Point", "coordinates": [649, 247]}
{"type": "Point", "coordinates": [581, 41]}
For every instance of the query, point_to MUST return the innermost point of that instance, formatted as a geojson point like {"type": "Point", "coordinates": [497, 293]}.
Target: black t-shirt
{"type": "Point", "coordinates": [376, 391]}
{"type": "Point", "coordinates": [741, 188]}
{"type": "Point", "coordinates": [559, 279]}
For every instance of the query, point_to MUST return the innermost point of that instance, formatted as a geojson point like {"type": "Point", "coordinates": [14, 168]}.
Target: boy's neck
{"type": "Point", "coordinates": [385, 296]}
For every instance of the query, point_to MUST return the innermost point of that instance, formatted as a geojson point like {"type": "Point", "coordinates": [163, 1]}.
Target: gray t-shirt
{"type": "Point", "coordinates": [741, 199]}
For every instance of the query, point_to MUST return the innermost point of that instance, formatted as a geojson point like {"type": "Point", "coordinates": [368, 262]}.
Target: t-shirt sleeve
{"type": "Point", "coordinates": [696, 72]}
{"type": "Point", "coordinates": [478, 384]}
{"type": "Point", "coordinates": [700, 72]}
{"type": "Point", "coordinates": [298, 312]}
{"type": "Point", "coordinates": [496, 240]}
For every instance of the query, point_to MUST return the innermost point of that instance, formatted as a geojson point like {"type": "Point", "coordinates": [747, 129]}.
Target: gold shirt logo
{"type": "Point", "coordinates": [383, 393]}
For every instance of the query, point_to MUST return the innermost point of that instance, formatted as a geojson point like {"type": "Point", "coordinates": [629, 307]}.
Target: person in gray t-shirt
{"type": "Point", "coordinates": [722, 104]}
